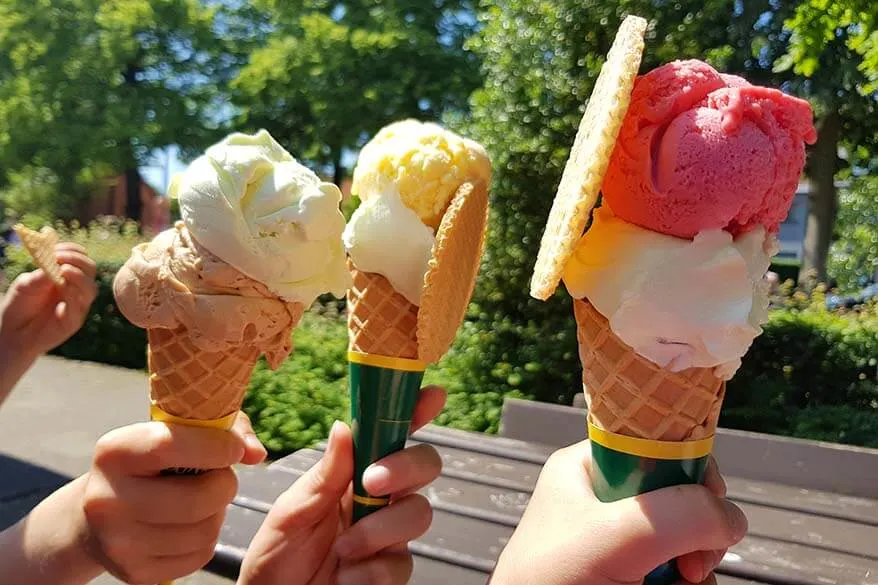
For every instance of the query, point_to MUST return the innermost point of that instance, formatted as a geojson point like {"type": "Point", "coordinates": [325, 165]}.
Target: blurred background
{"type": "Point", "coordinates": [102, 101]}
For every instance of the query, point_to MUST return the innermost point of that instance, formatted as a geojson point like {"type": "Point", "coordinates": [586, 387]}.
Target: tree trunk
{"type": "Point", "coordinates": [132, 176]}
{"type": "Point", "coordinates": [823, 204]}
{"type": "Point", "coordinates": [133, 204]}
{"type": "Point", "coordinates": [337, 169]}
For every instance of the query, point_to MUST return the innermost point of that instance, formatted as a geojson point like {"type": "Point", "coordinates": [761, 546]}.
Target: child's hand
{"type": "Point", "coordinates": [306, 538]}
{"type": "Point", "coordinates": [147, 528]}
{"type": "Point", "coordinates": [568, 537]}
{"type": "Point", "coordinates": [39, 315]}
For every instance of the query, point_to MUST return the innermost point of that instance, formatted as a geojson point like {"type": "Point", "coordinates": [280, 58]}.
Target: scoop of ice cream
{"type": "Point", "coordinates": [173, 281]}
{"type": "Point", "coordinates": [249, 202]}
{"type": "Point", "coordinates": [386, 237]}
{"type": "Point", "coordinates": [699, 150]}
{"type": "Point", "coordinates": [679, 303]}
{"type": "Point", "coordinates": [425, 162]}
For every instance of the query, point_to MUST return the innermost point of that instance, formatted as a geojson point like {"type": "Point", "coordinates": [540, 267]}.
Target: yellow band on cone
{"type": "Point", "coordinates": [224, 423]}
{"type": "Point", "coordinates": [367, 501]}
{"type": "Point", "coordinates": [383, 361]}
{"type": "Point", "coordinates": [674, 450]}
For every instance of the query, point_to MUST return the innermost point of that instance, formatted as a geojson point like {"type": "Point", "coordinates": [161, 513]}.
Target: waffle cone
{"type": "Point", "coordinates": [380, 320]}
{"type": "Point", "coordinates": [629, 395]}
{"type": "Point", "coordinates": [188, 382]}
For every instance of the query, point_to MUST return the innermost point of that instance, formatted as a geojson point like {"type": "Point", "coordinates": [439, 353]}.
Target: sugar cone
{"type": "Point", "coordinates": [629, 395]}
{"type": "Point", "coordinates": [385, 376]}
{"type": "Point", "coordinates": [380, 320]}
{"type": "Point", "coordinates": [188, 382]}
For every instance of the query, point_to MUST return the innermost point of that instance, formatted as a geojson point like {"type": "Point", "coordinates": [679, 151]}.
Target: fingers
{"type": "Point", "coordinates": [404, 471]}
{"type": "Point", "coordinates": [713, 480]}
{"type": "Point", "coordinates": [402, 521]}
{"type": "Point", "coordinates": [144, 449]}
{"type": "Point", "coordinates": [385, 569]}
{"type": "Point", "coordinates": [74, 255]}
{"type": "Point", "coordinates": [165, 541]}
{"type": "Point", "coordinates": [317, 492]}
{"type": "Point", "coordinates": [31, 284]}
{"type": "Point", "coordinates": [668, 523]}
{"type": "Point", "coordinates": [163, 500]}
{"type": "Point", "coordinates": [431, 401]}
{"type": "Point", "coordinates": [697, 566]}
{"type": "Point", "coordinates": [254, 450]}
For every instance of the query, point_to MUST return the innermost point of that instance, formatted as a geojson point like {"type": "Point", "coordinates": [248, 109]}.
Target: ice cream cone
{"type": "Point", "coordinates": [649, 427]}
{"type": "Point", "coordinates": [385, 375]}
{"type": "Point", "coordinates": [392, 339]}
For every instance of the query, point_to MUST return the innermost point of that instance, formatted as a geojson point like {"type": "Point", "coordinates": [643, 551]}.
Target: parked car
{"type": "Point", "coordinates": [852, 300]}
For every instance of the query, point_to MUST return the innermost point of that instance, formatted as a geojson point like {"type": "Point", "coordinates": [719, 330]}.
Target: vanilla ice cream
{"type": "Point", "coordinates": [704, 299]}
{"type": "Point", "coordinates": [252, 204]}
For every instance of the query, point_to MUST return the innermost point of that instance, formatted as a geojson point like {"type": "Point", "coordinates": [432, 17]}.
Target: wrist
{"type": "Point", "coordinates": [49, 545]}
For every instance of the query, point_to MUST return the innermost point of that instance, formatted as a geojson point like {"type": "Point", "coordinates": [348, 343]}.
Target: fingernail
{"type": "Point", "coordinates": [737, 520]}
{"type": "Point", "coordinates": [333, 434]}
{"type": "Point", "coordinates": [377, 477]}
{"type": "Point", "coordinates": [254, 443]}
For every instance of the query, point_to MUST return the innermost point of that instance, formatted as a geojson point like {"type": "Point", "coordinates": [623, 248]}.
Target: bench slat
{"type": "Point", "coordinates": [773, 561]}
{"type": "Point", "coordinates": [816, 502]}
{"type": "Point", "coordinates": [825, 534]}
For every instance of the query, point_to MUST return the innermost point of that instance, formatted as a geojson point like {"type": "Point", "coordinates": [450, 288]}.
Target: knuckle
{"type": "Point", "coordinates": [423, 513]}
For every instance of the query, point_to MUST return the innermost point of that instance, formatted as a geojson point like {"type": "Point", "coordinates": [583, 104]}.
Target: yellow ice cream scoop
{"type": "Point", "coordinates": [424, 162]}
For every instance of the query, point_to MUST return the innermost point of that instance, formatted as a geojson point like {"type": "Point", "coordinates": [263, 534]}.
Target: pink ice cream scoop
{"type": "Point", "coordinates": [701, 150]}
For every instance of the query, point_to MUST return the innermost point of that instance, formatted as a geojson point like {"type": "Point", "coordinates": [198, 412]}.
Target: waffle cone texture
{"type": "Point", "coordinates": [380, 320]}
{"type": "Point", "coordinates": [629, 395]}
{"type": "Point", "coordinates": [190, 382]}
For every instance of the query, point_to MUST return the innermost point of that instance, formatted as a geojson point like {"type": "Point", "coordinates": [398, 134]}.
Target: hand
{"type": "Point", "coordinates": [568, 537]}
{"type": "Point", "coordinates": [147, 528]}
{"type": "Point", "coordinates": [38, 315]}
{"type": "Point", "coordinates": [307, 537]}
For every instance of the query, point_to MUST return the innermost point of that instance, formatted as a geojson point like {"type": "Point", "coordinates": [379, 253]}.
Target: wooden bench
{"type": "Point", "coordinates": [813, 508]}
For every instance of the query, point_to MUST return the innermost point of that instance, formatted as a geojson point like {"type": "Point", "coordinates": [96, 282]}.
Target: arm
{"type": "Point", "coordinates": [16, 361]}
{"type": "Point", "coordinates": [47, 547]}
{"type": "Point", "coordinates": [37, 315]}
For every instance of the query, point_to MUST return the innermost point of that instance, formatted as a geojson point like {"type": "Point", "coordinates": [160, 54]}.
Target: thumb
{"type": "Point", "coordinates": [254, 451]}
{"type": "Point", "coordinates": [319, 491]}
{"type": "Point", "coordinates": [658, 526]}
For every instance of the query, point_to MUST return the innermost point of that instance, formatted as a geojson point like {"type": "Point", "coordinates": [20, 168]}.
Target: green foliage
{"type": "Point", "coordinates": [33, 193]}
{"type": "Point", "coordinates": [328, 75]}
{"type": "Point", "coordinates": [539, 63]}
{"type": "Point", "coordinates": [808, 368]}
{"type": "Point", "coordinates": [90, 88]}
{"type": "Point", "coordinates": [853, 257]}
{"type": "Point", "coordinates": [294, 407]}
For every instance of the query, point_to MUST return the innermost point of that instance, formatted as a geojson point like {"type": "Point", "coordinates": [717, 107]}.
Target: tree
{"type": "Point", "coordinates": [540, 61]}
{"type": "Point", "coordinates": [853, 259]}
{"type": "Point", "coordinates": [833, 55]}
{"type": "Point", "coordinates": [330, 74]}
{"type": "Point", "coordinates": [89, 88]}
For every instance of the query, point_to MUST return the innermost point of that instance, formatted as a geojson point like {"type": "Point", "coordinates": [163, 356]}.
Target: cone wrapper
{"type": "Point", "coordinates": [384, 391]}
{"type": "Point", "coordinates": [649, 428]}
{"type": "Point", "coordinates": [224, 424]}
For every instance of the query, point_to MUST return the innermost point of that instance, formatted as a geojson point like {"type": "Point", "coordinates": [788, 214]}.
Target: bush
{"type": "Point", "coordinates": [808, 368]}
{"type": "Point", "coordinates": [295, 406]}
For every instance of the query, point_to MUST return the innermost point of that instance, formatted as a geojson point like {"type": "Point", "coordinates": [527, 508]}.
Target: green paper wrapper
{"type": "Point", "coordinates": [623, 467]}
{"type": "Point", "coordinates": [384, 391]}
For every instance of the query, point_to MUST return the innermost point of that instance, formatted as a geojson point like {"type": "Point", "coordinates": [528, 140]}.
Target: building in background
{"type": "Point", "coordinates": [111, 199]}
